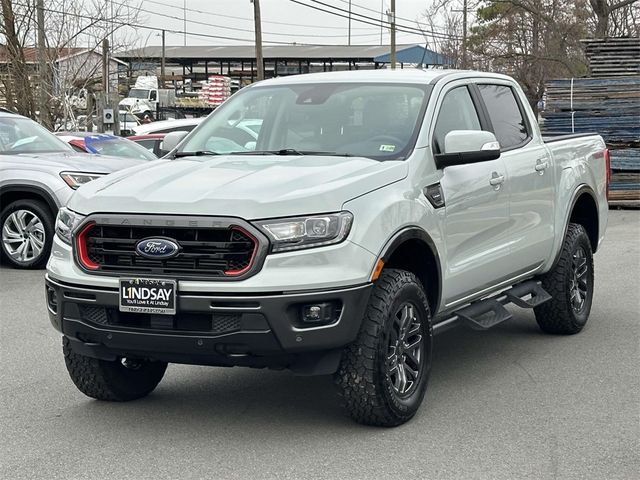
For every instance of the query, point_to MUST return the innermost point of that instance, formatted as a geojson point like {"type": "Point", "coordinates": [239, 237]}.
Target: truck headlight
{"type": "Point", "coordinates": [66, 221]}
{"type": "Point", "coordinates": [306, 232]}
{"type": "Point", "coordinates": [75, 179]}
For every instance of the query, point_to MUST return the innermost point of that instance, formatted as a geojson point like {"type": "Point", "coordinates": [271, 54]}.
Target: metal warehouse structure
{"type": "Point", "coordinates": [198, 62]}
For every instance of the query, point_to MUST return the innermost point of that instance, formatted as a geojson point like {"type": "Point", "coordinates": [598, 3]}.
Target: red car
{"type": "Point", "coordinates": [105, 144]}
{"type": "Point", "coordinates": [152, 142]}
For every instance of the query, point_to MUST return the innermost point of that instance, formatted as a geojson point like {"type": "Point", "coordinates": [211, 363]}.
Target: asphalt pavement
{"type": "Point", "coordinates": [509, 403]}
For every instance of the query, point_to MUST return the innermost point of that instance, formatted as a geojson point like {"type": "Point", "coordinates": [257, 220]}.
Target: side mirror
{"type": "Point", "coordinates": [467, 146]}
{"type": "Point", "coordinates": [172, 140]}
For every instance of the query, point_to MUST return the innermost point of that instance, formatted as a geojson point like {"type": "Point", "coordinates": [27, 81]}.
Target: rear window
{"type": "Point", "coordinates": [508, 121]}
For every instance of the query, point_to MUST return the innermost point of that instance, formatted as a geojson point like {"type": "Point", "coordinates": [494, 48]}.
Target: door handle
{"type": "Point", "coordinates": [541, 166]}
{"type": "Point", "coordinates": [496, 180]}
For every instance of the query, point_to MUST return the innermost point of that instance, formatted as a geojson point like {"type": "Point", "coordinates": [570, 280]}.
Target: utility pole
{"type": "Point", "coordinates": [464, 34]}
{"type": "Point", "coordinates": [184, 22]}
{"type": "Point", "coordinates": [162, 85]}
{"type": "Point", "coordinates": [258, 29]}
{"type": "Point", "coordinates": [43, 67]}
{"type": "Point", "coordinates": [105, 65]}
{"type": "Point", "coordinates": [349, 22]}
{"type": "Point", "coordinates": [392, 21]}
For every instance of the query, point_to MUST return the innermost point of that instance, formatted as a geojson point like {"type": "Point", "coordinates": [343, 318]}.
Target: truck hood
{"type": "Point", "coordinates": [72, 162]}
{"type": "Point", "coordinates": [250, 187]}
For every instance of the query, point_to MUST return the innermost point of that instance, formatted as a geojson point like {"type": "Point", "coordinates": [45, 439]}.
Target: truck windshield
{"type": "Point", "coordinates": [374, 120]}
{"type": "Point", "coordinates": [139, 93]}
{"type": "Point", "coordinates": [21, 135]}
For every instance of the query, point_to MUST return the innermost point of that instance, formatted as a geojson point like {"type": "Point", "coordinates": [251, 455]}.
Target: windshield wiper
{"type": "Point", "coordinates": [290, 151]}
{"type": "Point", "coordinates": [282, 151]}
{"type": "Point", "coordinates": [197, 153]}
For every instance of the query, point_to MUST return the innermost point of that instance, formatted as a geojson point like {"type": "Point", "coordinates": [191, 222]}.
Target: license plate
{"type": "Point", "coordinates": [144, 295]}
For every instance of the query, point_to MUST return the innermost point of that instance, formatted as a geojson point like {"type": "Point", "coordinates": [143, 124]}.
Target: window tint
{"type": "Point", "coordinates": [508, 123]}
{"type": "Point", "coordinates": [456, 113]}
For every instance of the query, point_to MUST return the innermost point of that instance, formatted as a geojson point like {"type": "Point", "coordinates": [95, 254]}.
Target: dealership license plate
{"type": "Point", "coordinates": [143, 295]}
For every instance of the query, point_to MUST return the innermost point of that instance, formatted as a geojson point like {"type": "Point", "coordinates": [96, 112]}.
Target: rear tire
{"type": "Point", "coordinates": [570, 284]}
{"type": "Point", "coordinates": [117, 381]}
{"type": "Point", "coordinates": [383, 375]}
{"type": "Point", "coordinates": [27, 233]}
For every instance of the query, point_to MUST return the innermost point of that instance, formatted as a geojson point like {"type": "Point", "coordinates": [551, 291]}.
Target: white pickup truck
{"type": "Point", "coordinates": [373, 210]}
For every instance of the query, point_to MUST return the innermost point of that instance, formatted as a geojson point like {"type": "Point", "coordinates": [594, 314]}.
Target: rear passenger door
{"type": "Point", "coordinates": [476, 212]}
{"type": "Point", "coordinates": [530, 177]}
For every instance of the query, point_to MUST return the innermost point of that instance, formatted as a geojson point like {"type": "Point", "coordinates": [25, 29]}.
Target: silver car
{"type": "Point", "coordinates": [38, 174]}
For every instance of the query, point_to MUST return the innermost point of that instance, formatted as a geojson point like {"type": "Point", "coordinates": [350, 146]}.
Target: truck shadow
{"type": "Point", "coordinates": [204, 401]}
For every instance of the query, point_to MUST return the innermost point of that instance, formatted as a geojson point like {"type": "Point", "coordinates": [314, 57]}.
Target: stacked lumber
{"type": "Point", "coordinates": [609, 106]}
{"type": "Point", "coordinates": [611, 57]}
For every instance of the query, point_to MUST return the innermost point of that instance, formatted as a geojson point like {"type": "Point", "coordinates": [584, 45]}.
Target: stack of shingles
{"type": "Point", "coordinates": [609, 106]}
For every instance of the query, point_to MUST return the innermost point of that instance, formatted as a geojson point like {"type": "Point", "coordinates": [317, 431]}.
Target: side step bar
{"type": "Point", "coordinates": [489, 312]}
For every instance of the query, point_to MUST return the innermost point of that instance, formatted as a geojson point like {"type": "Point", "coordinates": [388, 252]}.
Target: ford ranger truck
{"type": "Point", "coordinates": [370, 211]}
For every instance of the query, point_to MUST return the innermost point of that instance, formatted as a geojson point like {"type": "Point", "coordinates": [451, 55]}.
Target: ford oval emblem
{"type": "Point", "coordinates": [159, 248]}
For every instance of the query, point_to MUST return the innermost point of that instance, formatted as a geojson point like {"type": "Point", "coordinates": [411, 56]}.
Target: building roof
{"type": "Point", "coordinates": [61, 54]}
{"type": "Point", "coordinates": [406, 53]}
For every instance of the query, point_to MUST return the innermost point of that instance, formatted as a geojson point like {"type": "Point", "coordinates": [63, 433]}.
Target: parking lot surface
{"type": "Point", "coordinates": [507, 403]}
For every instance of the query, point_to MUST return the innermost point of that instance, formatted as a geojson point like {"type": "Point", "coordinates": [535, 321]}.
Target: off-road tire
{"type": "Point", "coordinates": [557, 316]}
{"type": "Point", "coordinates": [111, 380]}
{"type": "Point", "coordinates": [42, 211]}
{"type": "Point", "coordinates": [362, 376]}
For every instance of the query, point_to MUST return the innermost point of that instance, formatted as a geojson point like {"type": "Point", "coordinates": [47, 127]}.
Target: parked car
{"type": "Point", "coordinates": [167, 126]}
{"type": "Point", "coordinates": [105, 144]}
{"type": "Point", "coordinates": [152, 142]}
{"type": "Point", "coordinates": [381, 207]}
{"type": "Point", "coordinates": [38, 174]}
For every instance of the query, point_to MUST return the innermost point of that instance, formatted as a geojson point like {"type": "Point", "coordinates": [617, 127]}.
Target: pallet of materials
{"type": "Point", "coordinates": [611, 57]}
{"type": "Point", "coordinates": [609, 106]}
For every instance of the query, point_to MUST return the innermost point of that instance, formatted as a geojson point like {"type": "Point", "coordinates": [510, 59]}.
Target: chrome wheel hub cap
{"type": "Point", "coordinates": [405, 350]}
{"type": "Point", "coordinates": [23, 236]}
{"type": "Point", "coordinates": [579, 280]}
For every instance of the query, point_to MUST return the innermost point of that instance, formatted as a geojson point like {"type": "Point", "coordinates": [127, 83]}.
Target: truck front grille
{"type": "Point", "coordinates": [210, 252]}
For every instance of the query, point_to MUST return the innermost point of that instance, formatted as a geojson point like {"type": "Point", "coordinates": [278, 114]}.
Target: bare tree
{"type": "Point", "coordinates": [615, 18]}
{"type": "Point", "coordinates": [74, 33]}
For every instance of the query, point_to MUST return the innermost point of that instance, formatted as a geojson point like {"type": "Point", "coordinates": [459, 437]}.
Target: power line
{"type": "Point", "coordinates": [288, 24]}
{"type": "Point", "coordinates": [237, 29]}
{"type": "Point", "coordinates": [418, 30]}
{"type": "Point", "coordinates": [368, 9]}
{"type": "Point", "coordinates": [155, 29]}
{"type": "Point", "coordinates": [374, 21]}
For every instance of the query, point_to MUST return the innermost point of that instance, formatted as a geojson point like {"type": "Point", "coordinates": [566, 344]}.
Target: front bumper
{"type": "Point", "coordinates": [208, 329]}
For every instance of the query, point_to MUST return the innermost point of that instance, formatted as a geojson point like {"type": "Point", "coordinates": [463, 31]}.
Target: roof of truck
{"type": "Point", "coordinates": [400, 75]}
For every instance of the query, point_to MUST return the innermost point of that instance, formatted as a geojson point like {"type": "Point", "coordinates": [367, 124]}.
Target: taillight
{"type": "Point", "coordinates": [607, 166]}
{"type": "Point", "coordinates": [81, 248]}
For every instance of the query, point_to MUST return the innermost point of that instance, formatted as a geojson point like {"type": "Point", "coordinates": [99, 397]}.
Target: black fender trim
{"type": "Point", "coordinates": [582, 188]}
{"type": "Point", "coordinates": [41, 192]}
{"type": "Point", "coordinates": [410, 233]}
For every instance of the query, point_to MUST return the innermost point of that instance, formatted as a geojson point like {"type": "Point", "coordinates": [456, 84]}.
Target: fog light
{"type": "Point", "coordinates": [320, 313]}
{"type": "Point", "coordinates": [52, 299]}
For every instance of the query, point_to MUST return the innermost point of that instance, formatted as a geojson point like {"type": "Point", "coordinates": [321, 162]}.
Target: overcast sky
{"type": "Point", "coordinates": [293, 22]}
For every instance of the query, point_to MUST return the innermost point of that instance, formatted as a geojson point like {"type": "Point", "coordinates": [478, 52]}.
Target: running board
{"type": "Point", "coordinates": [528, 294]}
{"type": "Point", "coordinates": [484, 314]}
{"type": "Point", "coordinates": [489, 312]}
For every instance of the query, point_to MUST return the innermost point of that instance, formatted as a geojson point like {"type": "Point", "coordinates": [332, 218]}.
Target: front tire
{"type": "Point", "coordinates": [116, 381]}
{"type": "Point", "coordinates": [27, 233]}
{"type": "Point", "coordinates": [383, 375]}
{"type": "Point", "coordinates": [570, 284]}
